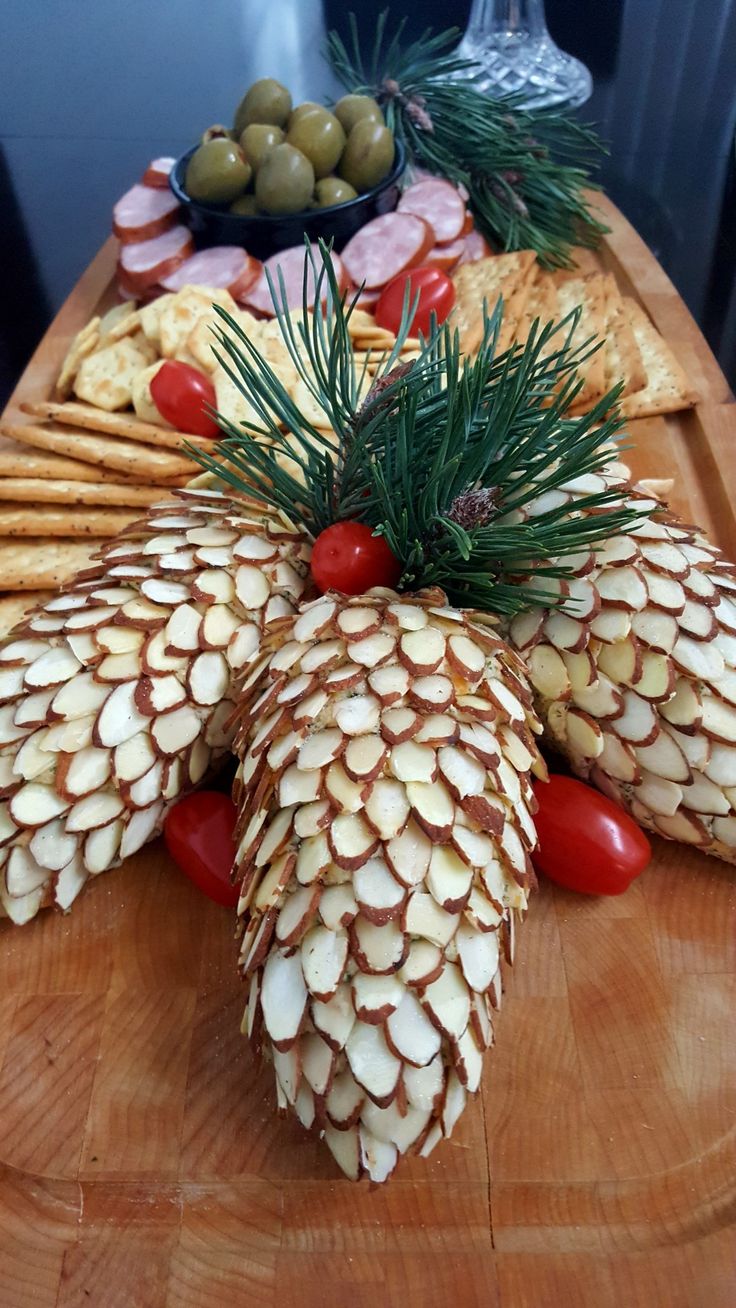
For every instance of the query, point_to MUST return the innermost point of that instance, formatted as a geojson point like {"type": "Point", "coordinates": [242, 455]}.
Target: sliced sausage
{"type": "Point", "coordinates": [291, 264]}
{"type": "Point", "coordinates": [226, 267]}
{"type": "Point", "coordinates": [385, 247]}
{"type": "Point", "coordinates": [144, 212]}
{"type": "Point", "coordinates": [476, 247]}
{"type": "Point", "coordinates": [439, 203]}
{"type": "Point", "coordinates": [157, 172]}
{"type": "Point", "coordinates": [146, 262]}
{"type": "Point", "coordinates": [446, 256]}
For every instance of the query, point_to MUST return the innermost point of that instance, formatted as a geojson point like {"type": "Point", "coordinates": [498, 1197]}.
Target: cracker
{"type": "Point", "coordinates": [143, 403]}
{"type": "Point", "coordinates": [120, 321]}
{"type": "Point", "coordinates": [13, 607]}
{"type": "Point", "coordinates": [481, 283]}
{"type": "Point", "coordinates": [541, 304]}
{"type": "Point", "coordinates": [231, 403]}
{"type": "Point", "coordinates": [667, 387]}
{"type": "Point", "coordinates": [621, 356]}
{"type": "Point", "coordinates": [202, 341]}
{"type": "Point", "coordinates": [141, 461]}
{"type": "Point", "coordinates": [39, 562]}
{"type": "Point", "coordinates": [588, 294]}
{"type": "Point", "coordinates": [105, 377]}
{"type": "Point", "coordinates": [36, 490]}
{"type": "Point", "coordinates": [63, 520]}
{"type": "Point", "coordinates": [150, 318]}
{"type": "Point", "coordinates": [126, 425]}
{"type": "Point", "coordinates": [23, 461]}
{"type": "Point", "coordinates": [180, 315]}
{"type": "Point", "coordinates": [84, 343]}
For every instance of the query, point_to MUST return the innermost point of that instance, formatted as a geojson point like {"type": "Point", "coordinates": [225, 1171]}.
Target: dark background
{"type": "Point", "coordinates": [90, 90]}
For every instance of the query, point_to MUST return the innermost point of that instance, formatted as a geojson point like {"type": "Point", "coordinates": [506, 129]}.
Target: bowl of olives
{"type": "Point", "coordinates": [281, 173]}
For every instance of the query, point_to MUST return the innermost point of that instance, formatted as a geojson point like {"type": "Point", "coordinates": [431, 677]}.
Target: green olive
{"type": "Point", "coordinates": [320, 137]}
{"type": "Point", "coordinates": [333, 190]}
{"type": "Point", "coordinates": [266, 101]}
{"type": "Point", "coordinates": [257, 140]}
{"type": "Point", "coordinates": [368, 155]}
{"type": "Point", "coordinates": [352, 108]}
{"type": "Point", "coordinates": [305, 107]}
{"type": "Point", "coordinates": [215, 133]}
{"type": "Point", "coordinates": [285, 181]}
{"type": "Point", "coordinates": [217, 172]}
{"type": "Point", "coordinates": [245, 205]}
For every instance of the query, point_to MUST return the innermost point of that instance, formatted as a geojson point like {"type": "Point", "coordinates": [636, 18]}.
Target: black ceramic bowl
{"type": "Point", "coordinates": [212, 224]}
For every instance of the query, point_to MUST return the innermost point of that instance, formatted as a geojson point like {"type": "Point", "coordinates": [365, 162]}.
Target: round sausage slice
{"type": "Point", "coordinates": [385, 247]}
{"type": "Point", "coordinates": [476, 247]}
{"type": "Point", "coordinates": [439, 203]}
{"type": "Point", "coordinates": [226, 267]}
{"type": "Point", "coordinates": [146, 262]}
{"type": "Point", "coordinates": [291, 264]}
{"type": "Point", "coordinates": [446, 256]}
{"type": "Point", "coordinates": [144, 212]}
{"type": "Point", "coordinates": [157, 172]}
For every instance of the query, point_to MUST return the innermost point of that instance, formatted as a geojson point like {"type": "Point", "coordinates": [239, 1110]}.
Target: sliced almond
{"type": "Point", "coordinates": [399, 725]}
{"type": "Point", "coordinates": [283, 997]}
{"type": "Point", "coordinates": [410, 1033]}
{"type": "Point", "coordinates": [426, 919]}
{"type": "Point", "coordinates": [684, 709]}
{"type": "Point", "coordinates": [296, 915]}
{"type": "Point", "coordinates": [423, 651]}
{"type": "Point", "coordinates": [379, 950]}
{"type": "Point", "coordinates": [372, 1063]}
{"type": "Point", "coordinates": [432, 807]}
{"type": "Point", "coordinates": [389, 683]}
{"type": "Point", "coordinates": [323, 958]}
{"type": "Point", "coordinates": [358, 715]}
{"type": "Point", "coordinates": [172, 732]}
{"type": "Point", "coordinates": [432, 694]}
{"type": "Point", "coordinates": [719, 720]}
{"type": "Point", "coordinates": [618, 760]}
{"type": "Point", "coordinates": [387, 808]}
{"type": "Point", "coordinates": [425, 1085]}
{"type": "Point", "coordinates": [449, 879]}
{"type": "Point", "coordinates": [344, 1101]}
{"type": "Point", "coordinates": [335, 1017]}
{"type": "Point", "coordinates": [364, 758]}
{"type": "Point", "coordinates": [447, 1002]}
{"type": "Point", "coordinates": [701, 660]}
{"type": "Point", "coordinates": [376, 997]}
{"type": "Point", "coordinates": [35, 805]}
{"type": "Point", "coordinates": [378, 894]}
{"type": "Point", "coordinates": [408, 855]}
{"type": "Point", "coordinates": [638, 722]}
{"type": "Point", "coordinates": [584, 736]}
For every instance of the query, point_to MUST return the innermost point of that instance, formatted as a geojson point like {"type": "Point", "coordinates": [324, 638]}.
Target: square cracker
{"type": "Point", "coordinates": [84, 343]}
{"type": "Point", "coordinates": [667, 387]}
{"type": "Point", "coordinates": [63, 520]}
{"type": "Point", "coordinates": [202, 342]}
{"type": "Point", "coordinates": [105, 378]}
{"type": "Point", "coordinates": [180, 315]}
{"type": "Point", "coordinates": [13, 607]}
{"type": "Point", "coordinates": [621, 357]}
{"type": "Point", "coordinates": [150, 318]}
{"type": "Point", "coordinates": [38, 562]}
{"type": "Point", "coordinates": [482, 283]}
{"type": "Point", "coordinates": [587, 293]}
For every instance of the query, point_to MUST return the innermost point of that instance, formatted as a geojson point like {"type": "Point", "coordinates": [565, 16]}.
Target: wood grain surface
{"type": "Point", "coordinates": [142, 1163]}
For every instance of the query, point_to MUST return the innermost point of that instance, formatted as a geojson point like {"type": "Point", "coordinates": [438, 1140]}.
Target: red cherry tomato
{"type": "Point", "coordinates": [180, 394]}
{"type": "Point", "coordinates": [586, 842]}
{"type": "Point", "coordinates": [199, 837]}
{"type": "Point", "coordinates": [436, 295]}
{"type": "Point", "coordinates": [349, 558]}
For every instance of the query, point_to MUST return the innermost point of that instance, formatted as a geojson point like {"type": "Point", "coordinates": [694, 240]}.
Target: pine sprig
{"type": "Point", "coordinates": [413, 448]}
{"type": "Point", "coordinates": [524, 170]}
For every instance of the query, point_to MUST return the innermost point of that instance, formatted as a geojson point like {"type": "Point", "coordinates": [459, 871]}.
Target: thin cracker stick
{"type": "Point", "coordinates": [88, 418]}
{"type": "Point", "coordinates": [62, 520]}
{"type": "Point", "coordinates": [112, 452]}
{"type": "Point", "coordinates": [39, 562]}
{"type": "Point", "coordinates": [36, 490]}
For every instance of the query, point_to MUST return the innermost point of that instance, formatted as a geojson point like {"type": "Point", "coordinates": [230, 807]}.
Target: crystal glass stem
{"type": "Point", "coordinates": [510, 42]}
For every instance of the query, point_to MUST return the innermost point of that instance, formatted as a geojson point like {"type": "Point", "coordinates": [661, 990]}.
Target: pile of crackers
{"type": "Point", "coordinates": [82, 466]}
{"type": "Point", "coordinates": [633, 350]}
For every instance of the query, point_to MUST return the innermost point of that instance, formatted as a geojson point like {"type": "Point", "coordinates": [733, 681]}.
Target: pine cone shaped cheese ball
{"type": "Point", "coordinates": [635, 675]}
{"type": "Point", "coordinates": [116, 696]}
{"type": "Point", "coordinates": [384, 838]}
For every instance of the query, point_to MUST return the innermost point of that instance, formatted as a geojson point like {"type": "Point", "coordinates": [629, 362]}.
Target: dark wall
{"type": "Point", "coordinates": [91, 89]}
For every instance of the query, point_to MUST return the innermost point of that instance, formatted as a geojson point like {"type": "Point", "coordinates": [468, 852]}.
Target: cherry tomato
{"type": "Point", "coordinates": [349, 558]}
{"type": "Point", "coordinates": [436, 295]}
{"type": "Point", "coordinates": [586, 842]}
{"type": "Point", "coordinates": [180, 394]}
{"type": "Point", "coordinates": [199, 836]}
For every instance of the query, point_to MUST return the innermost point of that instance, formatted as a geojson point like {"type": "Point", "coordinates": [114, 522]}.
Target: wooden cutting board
{"type": "Point", "coordinates": [142, 1161]}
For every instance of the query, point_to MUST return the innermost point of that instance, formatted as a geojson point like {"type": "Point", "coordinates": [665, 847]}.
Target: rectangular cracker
{"type": "Point", "coordinates": [63, 520]}
{"type": "Point", "coordinates": [126, 425]}
{"type": "Point", "coordinates": [37, 490]}
{"type": "Point", "coordinates": [143, 462]}
{"type": "Point", "coordinates": [541, 303]}
{"type": "Point", "coordinates": [38, 562]}
{"type": "Point", "coordinates": [483, 282]}
{"type": "Point", "coordinates": [588, 293]}
{"type": "Point", "coordinates": [667, 386]}
{"type": "Point", "coordinates": [13, 607]}
{"type": "Point", "coordinates": [22, 461]}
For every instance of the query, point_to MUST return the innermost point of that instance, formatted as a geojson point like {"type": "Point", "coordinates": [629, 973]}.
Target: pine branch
{"type": "Point", "coordinates": [524, 170]}
{"type": "Point", "coordinates": [442, 456]}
